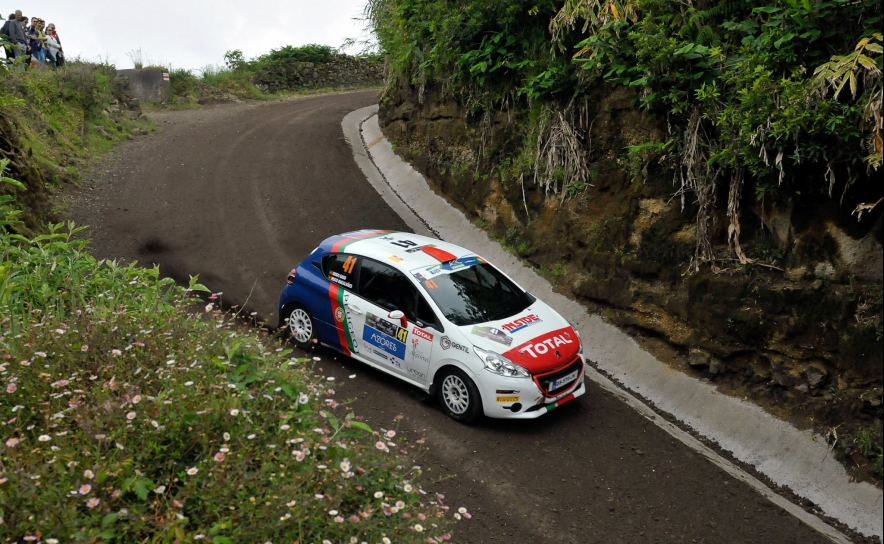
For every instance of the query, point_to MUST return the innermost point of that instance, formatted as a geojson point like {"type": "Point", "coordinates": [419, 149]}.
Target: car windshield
{"type": "Point", "coordinates": [475, 294]}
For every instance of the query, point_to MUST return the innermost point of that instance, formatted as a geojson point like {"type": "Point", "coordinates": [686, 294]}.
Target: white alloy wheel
{"type": "Point", "coordinates": [455, 394]}
{"type": "Point", "coordinates": [300, 326]}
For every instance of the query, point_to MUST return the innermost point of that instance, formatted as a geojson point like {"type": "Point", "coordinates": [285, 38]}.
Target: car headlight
{"type": "Point", "coordinates": [498, 364]}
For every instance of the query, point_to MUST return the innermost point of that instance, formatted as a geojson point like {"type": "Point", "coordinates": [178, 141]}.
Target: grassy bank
{"type": "Point", "coordinates": [128, 416]}
{"type": "Point", "coordinates": [132, 411]}
{"type": "Point", "coordinates": [52, 122]}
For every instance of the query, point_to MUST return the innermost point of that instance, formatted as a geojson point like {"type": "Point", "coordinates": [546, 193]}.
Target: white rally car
{"type": "Point", "coordinates": [439, 317]}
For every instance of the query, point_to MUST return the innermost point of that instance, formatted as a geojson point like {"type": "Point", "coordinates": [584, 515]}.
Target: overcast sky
{"type": "Point", "coordinates": [192, 33]}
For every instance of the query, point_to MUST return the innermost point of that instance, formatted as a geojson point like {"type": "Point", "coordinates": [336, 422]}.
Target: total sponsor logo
{"type": "Point", "coordinates": [547, 345]}
{"type": "Point", "coordinates": [521, 323]}
{"type": "Point", "coordinates": [420, 333]}
{"type": "Point", "coordinates": [547, 351]}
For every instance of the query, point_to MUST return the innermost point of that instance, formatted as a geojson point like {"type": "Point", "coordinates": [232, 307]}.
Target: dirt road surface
{"type": "Point", "coordinates": [239, 194]}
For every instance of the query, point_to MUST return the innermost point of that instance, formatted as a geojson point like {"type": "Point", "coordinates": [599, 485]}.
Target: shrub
{"type": "Point", "coordinates": [307, 53]}
{"type": "Point", "coordinates": [128, 417]}
{"type": "Point", "coordinates": [183, 81]}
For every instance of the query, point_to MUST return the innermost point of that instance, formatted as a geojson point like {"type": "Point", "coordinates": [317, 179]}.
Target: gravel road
{"type": "Point", "coordinates": [238, 194]}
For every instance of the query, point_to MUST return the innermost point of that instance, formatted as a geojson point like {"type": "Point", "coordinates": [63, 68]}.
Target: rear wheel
{"type": "Point", "coordinates": [299, 326]}
{"type": "Point", "coordinates": [459, 396]}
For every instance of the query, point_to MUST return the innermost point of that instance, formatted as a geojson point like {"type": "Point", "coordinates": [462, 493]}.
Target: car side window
{"type": "Point", "coordinates": [384, 286]}
{"type": "Point", "coordinates": [426, 314]}
{"type": "Point", "coordinates": [342, 269]}
{"type": "Point", "coordinates": [390, 289]}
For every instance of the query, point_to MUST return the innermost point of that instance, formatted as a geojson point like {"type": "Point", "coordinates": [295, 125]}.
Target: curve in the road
{"type": "Point", "coordinates": [239, 194]}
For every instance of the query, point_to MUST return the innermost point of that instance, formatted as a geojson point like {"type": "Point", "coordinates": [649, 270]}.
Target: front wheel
{"type": "Point", "coordinates": [459, 396]}
{"type": "Point", "coordinates": [299, 325]}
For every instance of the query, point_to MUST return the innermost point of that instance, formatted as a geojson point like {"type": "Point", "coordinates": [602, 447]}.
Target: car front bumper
{"type": "Point", "coordinates": [520, 398]}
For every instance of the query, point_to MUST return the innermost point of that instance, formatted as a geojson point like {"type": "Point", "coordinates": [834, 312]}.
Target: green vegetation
{"type": "Point", "coordinates": [132, 411]}
{"type": "Point", "coordinates": [128, 417]}
{"type": "Point", "coordinates": [781, 99]}
{"type": "Point", "coordinates": [51, 122]}
{"type": "Point", "coordinates": [869, 444]}
{"type": "Point", "coordinates": [255, 79]}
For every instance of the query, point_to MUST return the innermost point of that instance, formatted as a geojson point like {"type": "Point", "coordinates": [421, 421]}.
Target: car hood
{"type": "Point", "coordinates": [538, 338]}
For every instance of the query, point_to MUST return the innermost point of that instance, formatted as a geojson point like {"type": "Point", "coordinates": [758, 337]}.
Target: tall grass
{"type": "Point", "coordinates": [127, 416]}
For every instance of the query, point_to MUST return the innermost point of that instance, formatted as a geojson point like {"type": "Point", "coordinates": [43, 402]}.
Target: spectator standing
{"type": "Point", "coordinates": [17, 37]}
{"type": "Point", "coordinates": [53, 43]}
{"type": "Point", "coordinates": [38, 39]}
{"type": "Point", "coordinates": [52, 49]}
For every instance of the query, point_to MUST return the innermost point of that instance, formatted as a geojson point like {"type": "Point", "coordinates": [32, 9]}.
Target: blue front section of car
{"type": "Point", "coordinates": [310, 289]}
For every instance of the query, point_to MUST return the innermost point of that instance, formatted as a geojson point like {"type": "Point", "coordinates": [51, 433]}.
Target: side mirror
{"type": "Point", "coordinates": [398, 314]}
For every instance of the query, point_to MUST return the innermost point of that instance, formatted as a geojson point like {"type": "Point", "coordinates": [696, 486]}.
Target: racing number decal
{"type": "Point", "coordinates": [404, 244]}
{"type": "Point", "coordinates": [402, 335]}
{"type": "Point", "coordinates": [349, 264]}
{"type": "Point", "coordinates": [430, 284]}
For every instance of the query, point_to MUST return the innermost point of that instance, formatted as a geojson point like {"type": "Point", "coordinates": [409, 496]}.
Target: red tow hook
{"type": "Point", "coordinates": [291, 279]}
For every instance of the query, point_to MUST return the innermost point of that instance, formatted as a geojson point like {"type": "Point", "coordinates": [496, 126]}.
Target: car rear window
{"type": "Point", "coordinates": [475, 294]}
{"type": "Point", "coordinates": [341, 269]}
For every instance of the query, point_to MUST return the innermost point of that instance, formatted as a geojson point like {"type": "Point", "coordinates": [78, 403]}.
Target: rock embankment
{"type": "Point", "coordinates": [799, 331]}
{"type": "Point", "coordinates": [340, 71]}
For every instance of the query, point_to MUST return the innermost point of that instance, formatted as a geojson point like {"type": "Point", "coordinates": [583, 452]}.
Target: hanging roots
{"type": "Point", "coordinates": [733, 215]}
{"type": "Point", "coordinates": [561, 158]}
{"type": "Point", "coordinates": [696, 176]}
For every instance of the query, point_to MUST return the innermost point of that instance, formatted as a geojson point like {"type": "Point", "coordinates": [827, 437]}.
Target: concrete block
{"type": "Point", "coordinates": [149, 85]}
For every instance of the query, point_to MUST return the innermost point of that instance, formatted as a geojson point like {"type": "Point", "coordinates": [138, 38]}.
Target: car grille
{"type": "Point", "coordinates": [544, 380]}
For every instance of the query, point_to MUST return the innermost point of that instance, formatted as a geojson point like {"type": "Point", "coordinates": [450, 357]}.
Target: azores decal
{"type": "Point", "coordinates": [384, 335]}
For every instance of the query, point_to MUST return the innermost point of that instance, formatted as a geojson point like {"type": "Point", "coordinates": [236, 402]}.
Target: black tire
{"type": "Point", "coordinates": [298, 325]}
{"type": "Point", "coordinates": [458, 395]}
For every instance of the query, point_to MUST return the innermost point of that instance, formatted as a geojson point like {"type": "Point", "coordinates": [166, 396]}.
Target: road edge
{"type": "Point", "coordinates": [406, 191]}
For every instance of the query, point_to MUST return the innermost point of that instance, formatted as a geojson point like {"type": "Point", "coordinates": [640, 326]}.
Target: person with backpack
{"type": "Point", "coordinates": [17, 38]}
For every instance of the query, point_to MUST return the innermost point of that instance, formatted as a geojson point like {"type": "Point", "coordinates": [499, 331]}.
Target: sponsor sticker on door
{"type": "Point", "coordinates": [385, 335]}
{"type": "Point", "coordinates": [420, 333]}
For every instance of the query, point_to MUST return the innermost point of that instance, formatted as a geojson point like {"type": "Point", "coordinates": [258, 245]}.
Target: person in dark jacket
{"type": "Point", "coordinates": [16, 35]}
{"type": "Point", "coordinates": [38, 42]}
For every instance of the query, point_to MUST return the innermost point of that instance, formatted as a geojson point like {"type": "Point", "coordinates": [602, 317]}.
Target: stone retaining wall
{"type": "Point", "coordinates": [341, 71]}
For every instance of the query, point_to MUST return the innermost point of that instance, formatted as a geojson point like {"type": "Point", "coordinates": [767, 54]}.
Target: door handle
{"type": "Point", "coordinates": [355, 309]}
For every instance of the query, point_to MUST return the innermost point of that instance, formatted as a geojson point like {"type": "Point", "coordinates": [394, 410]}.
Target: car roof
{"type": "Point", "coordinates": [380, 245]}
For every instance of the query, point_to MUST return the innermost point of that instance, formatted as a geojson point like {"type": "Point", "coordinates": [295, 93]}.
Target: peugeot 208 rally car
{"type": "Point", "coordinates": [439, 317]}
